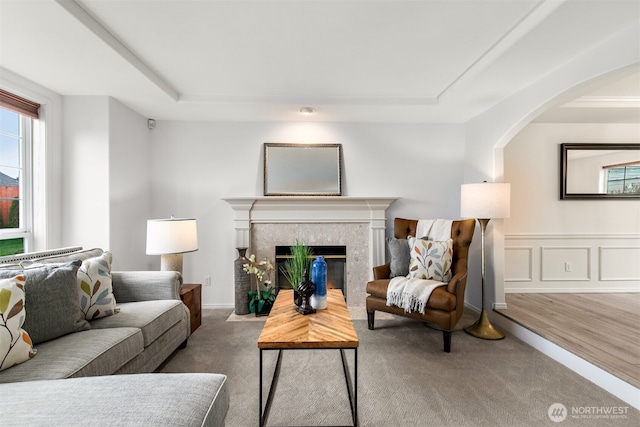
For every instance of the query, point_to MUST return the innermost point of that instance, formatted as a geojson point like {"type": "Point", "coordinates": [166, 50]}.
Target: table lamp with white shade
{"type": "Point", "coordinates": [170, 238]}
{"type": "Point", "coordinates": [485, 201]}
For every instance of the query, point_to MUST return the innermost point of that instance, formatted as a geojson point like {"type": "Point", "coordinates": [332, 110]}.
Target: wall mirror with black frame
{"type": "Point", "coordinates": [599, 171]}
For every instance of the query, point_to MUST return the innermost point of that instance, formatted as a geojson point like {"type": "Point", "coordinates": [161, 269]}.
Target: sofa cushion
{"type": "Point", "coordinates": [430, 260]}
{"type": "Point", "coordinates": [152, 317]}
{"type": "Point", "coordinates": [400, 257]}
{"type": "Point", "coordinates": [95, 287]}
{"type": "Point", "coordinates": [51, 301]}
{"type": "Point", "coordinates": [87, 353]}
{"type": "Point", "coordinates": [120, 400]}
{"type": "Point", "coordinates": [158, 351]}
{"type": "Point", "coordinates": [15, 343]}
{"type": "Point", "coordinates": [132, 286]}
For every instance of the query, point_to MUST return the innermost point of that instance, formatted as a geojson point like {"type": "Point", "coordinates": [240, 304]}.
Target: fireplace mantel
{"type": "Point", "coordinates": [313, 210]}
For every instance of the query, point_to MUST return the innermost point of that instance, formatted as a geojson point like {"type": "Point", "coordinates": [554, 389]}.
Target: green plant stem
{"type": "Point", "coordinates": [300, 260]}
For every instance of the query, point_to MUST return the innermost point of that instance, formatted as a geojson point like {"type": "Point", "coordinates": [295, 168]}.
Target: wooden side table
{"type": "Point", "coordinates": [191, 295]}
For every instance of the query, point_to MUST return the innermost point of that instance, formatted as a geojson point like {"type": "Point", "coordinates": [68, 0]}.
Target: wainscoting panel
{"type": "Point", "coordinates": [566, 264]}
{"type": "Point", "coordinates": [518, 266]}
{"type": "Point", "coordinates": [576, 263]}
{"type": "Point", "coordinates": [619, 263]}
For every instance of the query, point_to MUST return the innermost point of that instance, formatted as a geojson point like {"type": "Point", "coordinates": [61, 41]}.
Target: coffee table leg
{"type": "Point", "coordinates": [355, 395]}
{"type": "Point", "coordinates": [352, 391]}
{"type": "Point", "coordinates": [260, 399]}
{"type": "Point", "coordinates": [272, 388]}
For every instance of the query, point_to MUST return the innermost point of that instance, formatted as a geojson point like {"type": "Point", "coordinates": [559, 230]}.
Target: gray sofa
{"type": "Point", "coordinates": [117, 400]}
{"type": "Point", "coordinates": [152, 322]}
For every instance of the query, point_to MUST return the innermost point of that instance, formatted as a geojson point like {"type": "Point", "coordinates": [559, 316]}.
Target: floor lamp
{"type": "Point", "coordinates": [171, 238]}
{"type": "Point", "coordinates": [484, 201]}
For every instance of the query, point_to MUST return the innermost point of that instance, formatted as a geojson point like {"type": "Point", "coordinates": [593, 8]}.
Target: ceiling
{"type": "Point", "coordinates": [358, 60]}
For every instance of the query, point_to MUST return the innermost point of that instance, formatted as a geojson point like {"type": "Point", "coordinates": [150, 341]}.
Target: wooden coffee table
{"type": "Point", "coordinates": [329, 329]}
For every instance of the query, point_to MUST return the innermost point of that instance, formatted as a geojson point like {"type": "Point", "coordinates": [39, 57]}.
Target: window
{"type": "Point", "coordinates": [623, 179]}
{"type": "Point", "coordinates": [15, 182]}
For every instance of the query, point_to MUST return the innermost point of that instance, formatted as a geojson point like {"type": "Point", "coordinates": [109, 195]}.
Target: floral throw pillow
{"type": "Point", "coordinates": [15, 343]}
{"type": "Point", "coordinates": [95, 287]}
{"type": "Point", "coordinates": [430, 259]}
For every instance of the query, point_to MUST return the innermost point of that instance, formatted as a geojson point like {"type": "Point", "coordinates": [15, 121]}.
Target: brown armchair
{"type": "Point", "coordinates": [446, 303]}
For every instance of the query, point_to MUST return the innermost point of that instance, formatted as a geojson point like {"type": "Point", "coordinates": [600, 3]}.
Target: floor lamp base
{"type": "Point", "coordinates": [484, 329]}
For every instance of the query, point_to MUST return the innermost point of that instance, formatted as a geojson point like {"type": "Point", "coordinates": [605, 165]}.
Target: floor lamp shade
{"type": "Point", "coordinates": [485, 201]}
{"type": "Point", "coordinates": [171, 238]}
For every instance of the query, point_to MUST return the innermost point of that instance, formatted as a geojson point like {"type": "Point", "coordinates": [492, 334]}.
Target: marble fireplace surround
{"type": "Point", "coordinates": [262, 223]}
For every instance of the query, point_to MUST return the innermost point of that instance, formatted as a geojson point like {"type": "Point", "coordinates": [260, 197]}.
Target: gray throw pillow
{"type": "Point", "coordinates": [400, 256]}
{"type": "Point", "coordinates": [51, 301]}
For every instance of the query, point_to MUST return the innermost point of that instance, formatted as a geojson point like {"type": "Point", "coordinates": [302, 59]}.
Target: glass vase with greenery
{"type": "Point", "coordinates": [294, 267]}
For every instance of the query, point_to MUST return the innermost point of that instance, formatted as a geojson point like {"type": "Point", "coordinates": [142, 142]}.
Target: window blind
{"type": "Point", "coordinates": [18, 104]}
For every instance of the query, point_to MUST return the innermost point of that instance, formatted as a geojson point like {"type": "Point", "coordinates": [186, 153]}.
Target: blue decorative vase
{"type": "Point", "coordinates": [319, 279]}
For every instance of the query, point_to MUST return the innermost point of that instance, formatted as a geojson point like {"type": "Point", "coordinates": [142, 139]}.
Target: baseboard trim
{"type": "Point", "coordinates": [578, 290]}
{"type": "Point", "coordinates": [205, 306]}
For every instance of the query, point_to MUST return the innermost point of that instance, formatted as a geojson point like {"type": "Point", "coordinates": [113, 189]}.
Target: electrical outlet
{"type": "Point", "coordinates": [567, 267]}
{"type": "Point", "coordinates": [207, 280]}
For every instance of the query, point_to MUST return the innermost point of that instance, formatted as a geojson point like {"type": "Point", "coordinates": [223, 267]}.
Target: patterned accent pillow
{"type": "Point", "coordinates": [95, 287]}
{"type": "Point", "coordinates": [430, 259]}
{"type": "Point", "coordinates": [15, 343]}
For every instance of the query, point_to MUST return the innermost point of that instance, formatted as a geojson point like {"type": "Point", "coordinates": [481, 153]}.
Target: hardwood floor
{"type": "Point", "coordinates": [603, 329]}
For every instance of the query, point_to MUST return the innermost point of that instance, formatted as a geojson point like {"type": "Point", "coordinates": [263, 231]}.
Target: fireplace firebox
{"type": "Point", "coordinates": [335, 256]}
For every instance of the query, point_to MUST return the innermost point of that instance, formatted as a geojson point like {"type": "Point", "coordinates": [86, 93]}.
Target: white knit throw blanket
{"type": "Point", "coordinates": [434, 229]}
{"type": "Point", "coordinates": [410, 294]}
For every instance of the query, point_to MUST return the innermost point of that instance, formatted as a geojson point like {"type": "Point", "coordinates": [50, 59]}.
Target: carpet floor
{"type": "Point", "coordinates": [404, 379]}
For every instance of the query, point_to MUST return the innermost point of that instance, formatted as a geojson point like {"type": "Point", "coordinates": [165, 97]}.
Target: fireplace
{"type": "Point", "coordinates": [335, 257]}
{"type": "Point", "coordinates": [357, 223]}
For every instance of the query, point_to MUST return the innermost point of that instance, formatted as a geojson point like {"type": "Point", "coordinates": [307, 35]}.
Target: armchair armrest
{"type": "Point", "coordinates": [131, 286]}
{"type": "Point", "coordinates": [457, 286]}
{"type": "Point", "coordinates": [455, 282]}
{"type": "Point", "coordinates": [382, 271]}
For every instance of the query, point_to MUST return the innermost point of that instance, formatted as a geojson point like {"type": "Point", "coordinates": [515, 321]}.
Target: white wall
{"type": "Point", "coordinates": [532, 165]}
{"type": "Point", "coordinates": [600, 239]}
{"type": "Point", "coordinates": [85, 171]}
{"type": "Point", "coordinates": [105, 174]}
{"type": "Point", "coordinates": [129, 185]}
{"type": "Point", "coordinates": [195, 164]}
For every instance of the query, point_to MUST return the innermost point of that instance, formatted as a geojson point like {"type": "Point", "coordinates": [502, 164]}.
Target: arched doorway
{"type": "Point", "coordinates": [560, 280]}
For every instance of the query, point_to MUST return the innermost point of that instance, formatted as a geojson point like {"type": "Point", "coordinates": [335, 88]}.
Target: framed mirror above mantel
{"type": "Point", "coordinates": [302, 169]}
{"type": "Point", "coordinates": [599, 171]}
